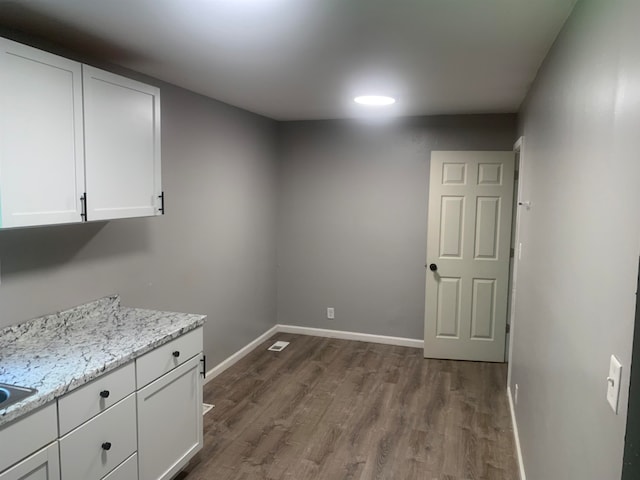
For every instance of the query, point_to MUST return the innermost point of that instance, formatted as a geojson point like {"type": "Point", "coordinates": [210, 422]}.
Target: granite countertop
{"type": "Point", "coordinates": [60, 352]}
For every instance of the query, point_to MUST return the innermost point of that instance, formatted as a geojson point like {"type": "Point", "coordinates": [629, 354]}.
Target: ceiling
{"type": "Point", "coordinates": [307, 59]}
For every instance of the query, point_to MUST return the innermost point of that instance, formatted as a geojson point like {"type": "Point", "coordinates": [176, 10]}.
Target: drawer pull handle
{"type": "Point", "coordinates": [106, 446]}
{"type": "Point", "coordinates": [105, 393]}
{"type": "Point", "coordinates": [176, 354]}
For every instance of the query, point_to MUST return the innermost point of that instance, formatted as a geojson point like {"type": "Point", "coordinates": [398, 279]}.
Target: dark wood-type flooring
{"type": "Point", "coordinates": [336, 409]}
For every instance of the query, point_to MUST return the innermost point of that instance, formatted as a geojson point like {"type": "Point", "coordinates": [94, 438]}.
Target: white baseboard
{"type": "Point", "coordinates": [229, 361]}
{"type": "Point", "coordinates": [316, 332]}
{"type": "Point", "coordinates": [516, 436]}
{"type": "Point", "coordinates": [362, 337]}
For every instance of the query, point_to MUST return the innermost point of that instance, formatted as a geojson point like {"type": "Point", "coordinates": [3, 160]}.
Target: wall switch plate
{"type": "Point", "coordinates": [613, 383]}
{"type": "Point", "coordinates": [331, 313]}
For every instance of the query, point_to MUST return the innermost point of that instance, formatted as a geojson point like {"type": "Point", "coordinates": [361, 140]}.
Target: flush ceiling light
{"type": "Point", "coordinates": [375, 100]}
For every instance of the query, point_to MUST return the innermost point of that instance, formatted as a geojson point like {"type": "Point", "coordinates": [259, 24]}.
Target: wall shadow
{"type": "Point", "coordinates": [24, 24]}
{"type": "Point", "coordinates": [27, 250]}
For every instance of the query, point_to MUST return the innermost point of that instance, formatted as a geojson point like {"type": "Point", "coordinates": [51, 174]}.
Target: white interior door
{"type": "Point", "coordinates": [468, 245]}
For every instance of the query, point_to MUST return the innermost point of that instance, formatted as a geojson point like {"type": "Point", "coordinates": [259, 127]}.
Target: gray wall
{"type": "Point", "coordinates": [577, 281]}
{"type": "Point", "coordinates": [353, 210]}
{"type": "Point", "coordinates": [214, 252]}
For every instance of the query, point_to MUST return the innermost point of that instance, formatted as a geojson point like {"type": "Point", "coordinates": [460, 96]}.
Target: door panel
{"type": "Point", "coordinates": [490, 174]}
{"type": "Point", "coordinates": [451, 221]}
{"type": "Point", "coordinates": [448, 307]}
{"type": "Point", "coordinates": [454, 174]}
{"type": "Point", "coordinates": [487, 227]}
{"type": "Point", "coordinates": [483, 308]}
{"type": "Point", "coordinates": [469, 228]}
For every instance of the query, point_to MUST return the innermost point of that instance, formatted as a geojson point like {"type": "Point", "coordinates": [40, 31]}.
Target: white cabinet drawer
{"type": "Point", "coordinates": [95, 397]}
{"type": "Point", "coordinates": [92, 450]}
{"type": "Point", "coordinates": [23, 437]}
{"type": "Point", "coordinates": [126, 471]}
{"type": "Point", "coordinates": [167, 357]}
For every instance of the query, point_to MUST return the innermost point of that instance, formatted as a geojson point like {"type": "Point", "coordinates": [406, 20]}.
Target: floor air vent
{"type": "Point", "coordinates": [278, 346]}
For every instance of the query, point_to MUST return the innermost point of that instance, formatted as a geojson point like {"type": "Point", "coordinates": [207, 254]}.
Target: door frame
{"type": "Point", "coordinates": [519, 149]}
{"type": "Point", "coordinates": [631, 458]}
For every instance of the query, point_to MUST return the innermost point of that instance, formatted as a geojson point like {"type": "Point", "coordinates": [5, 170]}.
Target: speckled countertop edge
{"type": "Point", "coordinates": [60, 352]}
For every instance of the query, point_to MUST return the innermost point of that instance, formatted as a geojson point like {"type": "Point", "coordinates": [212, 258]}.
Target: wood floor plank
{"type": "Point", "coordinates": [343, 410]}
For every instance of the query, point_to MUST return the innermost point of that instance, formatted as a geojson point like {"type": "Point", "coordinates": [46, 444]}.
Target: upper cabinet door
{"type": "Point", "coordinates": [41, 138]}
{"type": "Point", "coordinates": [122, 142]}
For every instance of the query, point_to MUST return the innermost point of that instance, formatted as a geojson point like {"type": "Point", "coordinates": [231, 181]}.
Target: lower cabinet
{"type": "Point", "coordinates": [170, 421]}
{"type": "Point", "coordinates": [142, 421]}
{"type": "Point", "coordinates": [42, 465]}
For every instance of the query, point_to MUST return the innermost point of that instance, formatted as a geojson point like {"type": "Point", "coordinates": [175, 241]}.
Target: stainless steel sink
{"type": "Point", "coordinates": [10, 394]}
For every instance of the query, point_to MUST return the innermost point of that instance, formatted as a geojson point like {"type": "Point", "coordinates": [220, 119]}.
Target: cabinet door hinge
{"type": "Point", "coordinates": [512, 252]}
{"type": "Point", "coordinates": [161, 209]}
{"type": "Point", "coordinates": [83, 207]}
{"type": "Point", "coordinates": [508, 328]}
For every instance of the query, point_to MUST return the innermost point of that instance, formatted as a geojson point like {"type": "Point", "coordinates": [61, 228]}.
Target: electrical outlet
{"type": "Point", "coordinates": [515, 396]}
{"type": "Point", "coordinates": [331, 313]}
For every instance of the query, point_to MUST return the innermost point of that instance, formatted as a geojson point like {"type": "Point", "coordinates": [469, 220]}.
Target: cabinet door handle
{"type": "Point", "coordinates": [106, 446]}
{"type": "Point", "coordinates": [176, 354]}
{"type": "Point", "coordinates": [105, 393]}
{"type": "Point", "coordinates": [161, 197]}
{"type": "Point", "coordinates": [83, 207]}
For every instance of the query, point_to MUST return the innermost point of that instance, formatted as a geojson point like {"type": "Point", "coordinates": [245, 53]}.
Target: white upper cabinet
{"type": "Point", "coordinates": [122, 142]}
{"type": "Point", "coordinates": [41, 137]}
{"type": "Point", "coordinates": [76, 143]}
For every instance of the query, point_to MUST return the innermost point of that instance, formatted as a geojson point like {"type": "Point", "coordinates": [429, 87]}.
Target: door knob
{"type": "Point", "coordinates": [433, 267]}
